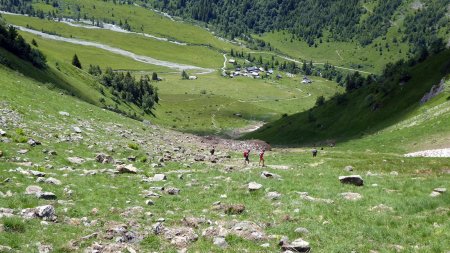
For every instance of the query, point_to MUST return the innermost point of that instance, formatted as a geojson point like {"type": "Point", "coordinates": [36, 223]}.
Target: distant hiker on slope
{"type": "Point", "coordinates": [212, 150]}
{"type": "Point", "coordinates": [261, 157]}
{"type": "Point", "coordinates": [314, 152]}
{"type": "Point", "coordinates": [246, 156]}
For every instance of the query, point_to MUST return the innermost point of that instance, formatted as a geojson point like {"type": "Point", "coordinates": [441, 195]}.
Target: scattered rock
{"type": "Point", "coordinates": [220, 242]}
{"type": "Point", "coordinates": [2, 133]}
{"type": "Point", "coordinates": [199, 158]}
{"type": "Point", "coordinates": [305, 196]}
{"type": "Point", "coordinates": [76, 160]}
{"type": "Point", "coordinates": [126, 169]}
{"type": "Point", "coordinates": [193, 222]}
{"type": "Point", "coordinates": [394, 173]}
{"type": "Point", "coordinates": [266, 174]}
{"type": "Point", "coordinates": [5, 249]}
{"type": "Point", "coordinates": [149, 202]}
{"type": "Point", "coordinates": [33, 142]}
{"type": "Point", "coordinates": [36, 173]}
{"type": "Point", "coordinates": [151, 194]}
{"type": "Point", "coordinates": [104, 158]}
{"type": "Point", "coordinates": [435, 194]}
{"type": "Point", "coordinates": [440, 190]}
{"type": "Point", "coordinates": [253, 186]}
{"type": "Point", "coordinates": [77, 130]}
{"type": "Point", "coordinates": [172, 191]}
{"type": "Point", "coordinates": [301, 230]}
{"type": "Point", "coordinates": [273, 195]}
{"type": "Point", "coordinates": [234, 209]}
{"type": "Point", "coordinates": [64, 114]}
{"type": "Point", "coordinates": [22, 151]}
{"type": "Point", "coordinates": [353, 179]}
{"type": "Point", "coordinates": [6, 212]}
{"type": "Point", "coordinates": [46, 195]}
{"type": "Point", "coordinates": [348, 168]}
{"type": "Point", "coordinates": [1, 153]}
{"type": "Point", "coordinates": [43, 248]}
{"type": "Point", "coordinates": [248, 230]}
{"type": "Point", "coordinates": [351, 196]}
{"type": "Point", "coordinates": [159, 177]}
{"type": "Point", "coordinates": [381, 208]}
{"type": "Point", "coordinates": [181, 237]}
{"type": "Point", "coordinates": [33, 190]}
{"type": "Point", "coordinates": [45, 212]}
{"type": "Point", "coordinates": [49, 180]}
{"type": "Point", "coordinates": [299, 245]}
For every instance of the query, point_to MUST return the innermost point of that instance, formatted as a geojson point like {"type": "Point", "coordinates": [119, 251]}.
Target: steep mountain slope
{"type": "Point", "coordinates": [361, 112]}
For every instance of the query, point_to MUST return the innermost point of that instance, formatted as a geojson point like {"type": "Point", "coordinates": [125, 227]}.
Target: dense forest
{"type": "Point", "coordinates": [13, 42]}
{"type": "Point", "coordinates": [312, 20]}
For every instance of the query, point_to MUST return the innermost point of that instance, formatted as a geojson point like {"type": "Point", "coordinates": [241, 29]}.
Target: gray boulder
{"type": "Point", "coordinates": [299, 245]}
{"type": "Point", "coordinates": [127, 169]}
{"type": "Point", "coordinates": [46, 195]}
{"type": "Point", "coordinates": [32, 190]}
{"type": "Point", "coordinates": [353, 179]}
{"type": "Point", "coordinates": [253, 186]}
{"type": "Point", "coordinates": [220, 242]}
{"type": "Point", "coordinates": [45, 212]}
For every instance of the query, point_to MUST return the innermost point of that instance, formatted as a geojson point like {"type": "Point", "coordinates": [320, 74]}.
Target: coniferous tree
{"type": "Point", "coordinates": [76, 62]}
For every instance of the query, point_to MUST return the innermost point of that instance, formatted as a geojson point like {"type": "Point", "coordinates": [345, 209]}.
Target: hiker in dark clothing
{"type": "Point", "coordinates": [314, 152]}
{"type": "Point", "coordinates": [212, 150]}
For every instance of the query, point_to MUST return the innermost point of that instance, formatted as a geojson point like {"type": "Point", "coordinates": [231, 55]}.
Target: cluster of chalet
{"type": "Point", "coordinates": [253, 72]}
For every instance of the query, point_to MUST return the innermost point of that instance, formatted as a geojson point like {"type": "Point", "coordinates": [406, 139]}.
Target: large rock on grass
{"type": "Point", "coordinates": [159, 177]}
{"type": "Point", "coordinates": [253, 186]}
{"type": "Point", "coordinates": [104, 158]}
{"type": "Point", "coordinates": [33, 190]}
{"type": "Point", "coordinates": [46, 195]}
{"type": "Point", "coordinates": [299, 245]}
{"type": "Point", "coordinates": [127, 169]}
{"type": "Point", "coordinates": [353, 179]}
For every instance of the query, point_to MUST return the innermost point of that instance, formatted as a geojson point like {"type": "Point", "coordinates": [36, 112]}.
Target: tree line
{"type": "Point", "coordinates": [124, 86]}
{"type": "Point", "coordinates": [312, 20]}
{"type": "Point", "coordinates": [16, 44]}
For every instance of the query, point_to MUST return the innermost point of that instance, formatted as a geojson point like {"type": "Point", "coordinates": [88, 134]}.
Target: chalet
{"type": "Point", "coordinates": [306, 80]}
{"type": "Point", "coordinates": [252, 69]}
{"type": "Point", "coordinates": [232, 61]}
{"type": "Point", "coordinates": [261, 69]}
{"type": "Point", "coordinates": [279, 76]}
{"type": "Point", "coordinates": [270, 71]}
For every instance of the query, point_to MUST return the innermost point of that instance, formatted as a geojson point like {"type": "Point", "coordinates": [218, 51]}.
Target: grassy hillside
{"type": "Point", "coordinates": [95, 206]}
{"type": "Point", "coordinates": [357, 117]}
{"type": "Point", "coordinates": [67, 79]}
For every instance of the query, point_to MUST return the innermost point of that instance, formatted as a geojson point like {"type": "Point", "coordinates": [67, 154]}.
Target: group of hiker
{"type": "Point", "coordinates": [261, 155]}
{"type": "Point", "coordinates": [247, 157]}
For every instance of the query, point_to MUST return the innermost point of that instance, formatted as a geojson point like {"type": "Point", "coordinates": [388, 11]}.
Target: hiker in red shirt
{"type": "Point", "coordinates": [246, 156]}
{"type": "Point", "coordinates": [261, 157]}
